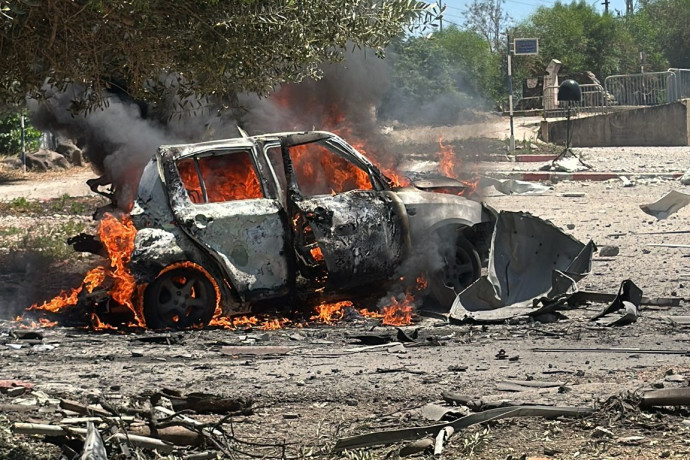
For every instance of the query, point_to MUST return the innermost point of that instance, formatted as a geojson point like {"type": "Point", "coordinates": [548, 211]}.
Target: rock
{"type": "Point", "coordinates": [46, 160]}
{"type": "Point", "coordinates": [608, 251]}
{"type": "Point", "coordinates": [70, 151]}
{"type": "Point", "coordinates": [685, 180]}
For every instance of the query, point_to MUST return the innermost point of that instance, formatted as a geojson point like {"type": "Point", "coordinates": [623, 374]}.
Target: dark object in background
{"type": "Point", "coordinates": [570, 90]}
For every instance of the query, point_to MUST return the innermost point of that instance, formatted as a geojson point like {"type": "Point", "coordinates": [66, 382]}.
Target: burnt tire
{"type": "Point", "coordinates": [180, 298]}
{"type": "Point", "coordinates": [460, 266]}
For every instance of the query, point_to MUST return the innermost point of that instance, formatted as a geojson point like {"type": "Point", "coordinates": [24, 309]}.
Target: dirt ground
{"type": "Point", "coordinates": [320, 385]}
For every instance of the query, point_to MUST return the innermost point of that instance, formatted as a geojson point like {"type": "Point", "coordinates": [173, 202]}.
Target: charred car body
{"type": "Point", "coordinates": [277, 216]}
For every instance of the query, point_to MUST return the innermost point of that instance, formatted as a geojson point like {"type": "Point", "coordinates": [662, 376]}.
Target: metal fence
{"type": "Point", "coordinates": [682, 79]}
{"type": "Point", "coordinates": [633, 90]}
{"type": "Point", "coordinates": [642, 89]}
{"type": "Point", "coordinates": [595, 100]}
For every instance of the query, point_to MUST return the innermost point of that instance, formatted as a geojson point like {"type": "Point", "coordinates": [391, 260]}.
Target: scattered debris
{"type": "Point", "coordinates": [685, 179]}
{"type": "Point", "coordinates": [533, 269]}
{"type": "Point", "coordinates": [646, 351]}
{"type": "Point", "coordinates": [416, 447]}
{"type": "Point", "coordinates": [666, 397]}
{"type": "Point", "coordinates": [524, 385]}
{"type": "Point", "coordinates": [255, 350]}
{"type": "Point", "coordinates": [442, 437]}
{"type": "Point", "coordinates": [436, 412]}
{"type": "Point", "coordinates": [667, 205]}
{"type": "Point", "coordinates": [515, 187]}
{"type": "Point", "coordinates": [669, 245]}
{"type": "Point", "coordinates": [609, 251]}
{"type": "Point", "coordinates": [94, 449]}
{"type": "Point", "coordinates": [406, 434]}
{"type": "Point", "coordinates": [582, 297]}
{"type": "Point", "coordinates": [629, 298]}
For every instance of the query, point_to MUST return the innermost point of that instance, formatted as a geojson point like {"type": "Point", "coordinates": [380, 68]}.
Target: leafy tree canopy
{"type": "Point", "coordinates": [581, 38]}
{"type": "Point", "coordinates": [210, 47]}
{"type": "Point", "coordinates": [665, 23]}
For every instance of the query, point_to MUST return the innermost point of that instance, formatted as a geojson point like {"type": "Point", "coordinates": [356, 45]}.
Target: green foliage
{"type": "Point", "coordinates": [481, 69]}
{"type": "Point", "coordinates": [664, 23]}
{"type": "Point", "coordinates": [50, 241]}
{"type": "Point", "coordinates": [442, 77]}
{"type": "Point", "coordinates": [581, 38]}
{"type": "Point", "coordinates": [211, 47]}
{"type": "Point", "coordinates": [22, 205]}
{"type": "Point", "coordinates": [11, 135]}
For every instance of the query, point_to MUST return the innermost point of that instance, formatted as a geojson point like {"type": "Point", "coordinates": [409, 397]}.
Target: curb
{"type": "Point", "coordinates": [534, 158]}
{"type": "Point", "coordinates": [538, 176]}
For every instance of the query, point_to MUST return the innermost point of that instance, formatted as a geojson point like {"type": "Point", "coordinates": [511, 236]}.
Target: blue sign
{"type": "Point", "coordinates": [525, 46]}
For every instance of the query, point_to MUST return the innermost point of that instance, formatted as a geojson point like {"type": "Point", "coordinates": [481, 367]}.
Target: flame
{"type": "Point", "coordinates": [117, 235]}
{"type": "Point", "coordinates": [330, 313]}
{"type": "Point", "coordinates": [422, 283]}
{"type": "Point", "coordinates": [448, 162]}
{"type": "Point", "coordinates": [226, 177]}
{"type": "Point", "coordinates": [399, 313]}
{"type": "Point", "coordinates": [317, 254]}
{"type": "Point", "coordinates": [118, 238]}
{"type": "Point", "coordinates": [319, 171]}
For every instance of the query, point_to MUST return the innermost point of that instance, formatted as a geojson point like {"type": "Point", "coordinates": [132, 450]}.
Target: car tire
{"type": "Point", "coordinates": [460, 267]}
{"type": "Point", "coordinates": [180, 298]}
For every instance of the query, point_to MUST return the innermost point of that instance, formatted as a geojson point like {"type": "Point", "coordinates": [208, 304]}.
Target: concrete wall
{"type": "Point", "coordinates": [661, 125]}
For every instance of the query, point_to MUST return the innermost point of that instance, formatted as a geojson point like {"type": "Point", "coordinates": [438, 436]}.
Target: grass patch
{"type": "Point", "coordinates": [46, 240]}
{"type": "Point", "coordinates": [23, 206]}
{"type": "Point", "coordinates": [66, 204]}
{"type": "Point", "coordinates": [10, 231]}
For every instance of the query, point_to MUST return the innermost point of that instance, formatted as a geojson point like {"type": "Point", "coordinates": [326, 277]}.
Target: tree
{"type": "Point", "coordinates": [665, 22]}
{"type": "Point", "coordinates": [488, 19]}
{"type": "Point", "coordinates": [581, 38]}
{"type": "Point", "coordinates": [210, 47]}
{"type": "Point", "coordinates": [474, 61]}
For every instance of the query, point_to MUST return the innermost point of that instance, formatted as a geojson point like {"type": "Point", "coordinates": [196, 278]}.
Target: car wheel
{"type": "Point", "coordinates": [179, 298]}
{"type": "Point", "coordinates": [460, 267]}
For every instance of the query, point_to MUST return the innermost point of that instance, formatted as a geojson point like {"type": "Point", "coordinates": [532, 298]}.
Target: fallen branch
{"type": "Point", "coordinates": [46, 429]}
{"type": "Point", "coordinates": [143, 441]}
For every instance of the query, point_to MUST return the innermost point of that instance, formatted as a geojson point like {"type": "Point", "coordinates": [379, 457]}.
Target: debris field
{"type": "Point", "coordinates": [567, 383]}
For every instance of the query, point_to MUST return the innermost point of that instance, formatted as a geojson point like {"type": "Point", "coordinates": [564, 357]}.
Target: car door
{"type": "Point", "coordinates": [221, 197]}
{"type": "Point", "coordinates": [347, 228]}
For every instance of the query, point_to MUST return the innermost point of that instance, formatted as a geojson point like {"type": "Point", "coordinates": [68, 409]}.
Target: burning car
{"type": "Point", "coordinates": [235, 223]}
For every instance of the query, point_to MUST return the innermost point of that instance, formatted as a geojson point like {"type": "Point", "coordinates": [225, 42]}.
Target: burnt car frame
{"type": "Point", "coordinates": [299, 216]}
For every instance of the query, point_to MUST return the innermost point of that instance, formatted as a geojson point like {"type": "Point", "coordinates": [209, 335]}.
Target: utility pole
{"type": "Point", "coordinates": [606, 6]}
{"type": "Point", "coordinates": [440, 5]}
{"type": "Point", "coordinates": [510, 95]}
{"type": "Point", "coordinates": [23, 143]}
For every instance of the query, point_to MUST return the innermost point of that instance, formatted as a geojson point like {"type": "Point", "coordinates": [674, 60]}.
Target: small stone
{"type": "Point", "coordinates": [570, 226]}
{"type": "Point", "coordinates": [608, 251]}
{"type": "Point", "coordinates": [601, 432]}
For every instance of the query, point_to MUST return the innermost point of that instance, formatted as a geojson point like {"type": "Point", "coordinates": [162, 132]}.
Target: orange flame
{"type": "Point", "coordinates": [399, 313]}
{"type": "Point", "coordinates": [226, 178]}
{"type": "Point", "coordinates": [317, 254]}
{"type": "Point", "coordinates": [448, 163]}
{"type": "Point", "coordinates": [117, 235]}
{"type": "Point", "coordinates": [330, 313]}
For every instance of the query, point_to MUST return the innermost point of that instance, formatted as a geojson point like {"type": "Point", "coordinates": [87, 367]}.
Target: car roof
{"type": "Point", "coordinates": [292, 138]}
